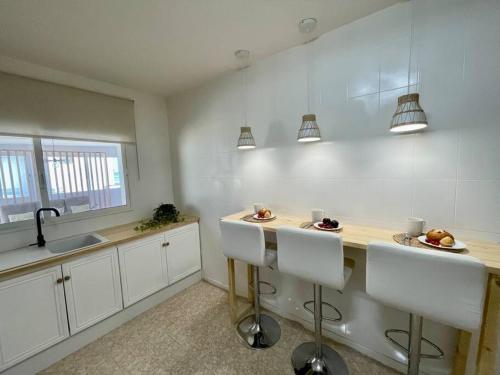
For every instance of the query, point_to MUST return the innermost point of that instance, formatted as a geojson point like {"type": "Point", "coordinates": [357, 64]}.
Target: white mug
{"type": "Point", "coordinates": [257, 207]}
{"type": "Point", "coordinates": [317, 214]}
{"type": "Point", "coordinates": [415, 226]}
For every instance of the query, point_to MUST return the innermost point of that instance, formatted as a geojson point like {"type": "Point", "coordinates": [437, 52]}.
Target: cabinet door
{"type": "Point", "coordinates": [93, 290]}
{"type": "Point", "coordinates": [183, 252]}
{"type": "Point", "coordinates": [32, 315]}
{"type": "Point", "coordinates": [143, 266]}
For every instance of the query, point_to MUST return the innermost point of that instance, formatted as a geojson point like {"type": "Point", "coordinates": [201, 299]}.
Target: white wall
{"type": "Point", "coordinates": [449, 175]}
{"type": "Point", "coordinates": [155, 183]}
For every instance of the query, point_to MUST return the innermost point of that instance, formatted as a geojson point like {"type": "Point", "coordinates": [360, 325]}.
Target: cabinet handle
{"type": "Point", "coordinates": [166, 244]}
{"type": "Point", "coordinates": [59, 281]}
{"type": "Point", "coordinates": [66, 278]}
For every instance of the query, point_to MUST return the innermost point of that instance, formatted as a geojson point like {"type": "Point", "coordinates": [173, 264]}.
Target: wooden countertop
{"type": "Point", "coordinates": [29, 259]}
{"type": "Point", "coordinates": [358, 236]}
{"type": "Point", "coordinates": [125, 233]}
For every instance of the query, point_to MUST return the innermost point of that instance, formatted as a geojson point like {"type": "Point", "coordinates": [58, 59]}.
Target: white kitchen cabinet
{"type": "Point", "coordinates": [93, 290]}
{"type": "Point", "coordinates": [152, 263]}
{"type": "Point", "coordinates": [143, 265]}
{"type": "Point", "coordinates": [32, 315]}
{"type": "Point", "coordinates": [183, 252]}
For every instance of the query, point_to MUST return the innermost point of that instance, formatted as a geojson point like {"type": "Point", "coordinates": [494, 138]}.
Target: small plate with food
{"type": "Point", "coordinates": [441, 239]}
{"type": "Point", "coordinates": [264, 214]}
{"type": "Point", "coordinates": [328, 225]}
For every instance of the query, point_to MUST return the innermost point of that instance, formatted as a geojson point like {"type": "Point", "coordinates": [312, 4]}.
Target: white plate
{"type": "Point", "coordinates": [316, 225]}
{"type": "Point", "coordinates": [256, 217]}
{"type": "Point", "coordinates": [458, 245]}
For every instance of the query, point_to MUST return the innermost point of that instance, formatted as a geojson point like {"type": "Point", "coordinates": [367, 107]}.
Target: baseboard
{"type": "Point", "coordinates": [216, 283]}
{"type": "Point", "coordinates": [57, 352]}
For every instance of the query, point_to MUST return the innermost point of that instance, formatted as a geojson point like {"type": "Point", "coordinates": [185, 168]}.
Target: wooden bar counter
{"type": "Point", "coordinates": [357, 236]}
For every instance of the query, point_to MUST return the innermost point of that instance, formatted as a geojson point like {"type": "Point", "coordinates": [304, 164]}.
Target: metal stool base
{"type": "Point", "coordinates": [305, 362]}
{"type": "Point", "coordinates": [259, 336]}
{"type": "Point", "coordinates": [439, 351]}
{"type": "Point", "coordinates": [415, 340]}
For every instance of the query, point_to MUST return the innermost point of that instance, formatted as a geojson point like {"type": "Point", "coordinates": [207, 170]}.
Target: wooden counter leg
{"type": "Point", "coordinates": [489, 344]}
{"type": "Point", "coordinates": [460, 362]}
{"type": "Point", "coordinates": [251, 285]}
{"type": "Point", "coordinates": [232, 290]}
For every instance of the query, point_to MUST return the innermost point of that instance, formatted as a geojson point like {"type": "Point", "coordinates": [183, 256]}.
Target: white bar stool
{"type": "Point", "coordinates": [245, 241]}
{"type": "Point", "coordinates": [444, 287]}
{"type": "Point", "coordinates": [317, 257]}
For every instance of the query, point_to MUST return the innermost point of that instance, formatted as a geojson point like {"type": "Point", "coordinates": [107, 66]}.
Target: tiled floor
{"type": "Point", "coordinates": [191, 334]}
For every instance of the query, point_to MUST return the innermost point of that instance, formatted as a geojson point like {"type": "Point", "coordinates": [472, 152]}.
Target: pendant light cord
{"type": "Point", "coordinates": [412, 31]}
{"type": "Point", "coordinates": [308, 75]}
{"type": "Point", "coordinates": [244, 95]}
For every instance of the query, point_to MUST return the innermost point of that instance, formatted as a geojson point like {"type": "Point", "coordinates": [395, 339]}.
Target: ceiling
{"type": "Point", "coordinates": [161, 46]}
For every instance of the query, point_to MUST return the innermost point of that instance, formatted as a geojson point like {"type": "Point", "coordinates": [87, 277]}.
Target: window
{"type": "Point", "coordinates": [78, 176]}
{"type": "Point", "coordinates": [19, 191]}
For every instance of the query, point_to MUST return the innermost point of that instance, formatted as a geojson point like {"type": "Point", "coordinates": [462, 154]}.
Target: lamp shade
{"type": "Point", "coordinates": [309, 130]}
{"type": "Point", "coordinates": [246, 141]}
{"type": "Point", "coordinates": [409, 115]}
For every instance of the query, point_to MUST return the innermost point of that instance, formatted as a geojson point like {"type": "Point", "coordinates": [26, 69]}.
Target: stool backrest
{"type": "Point", "coordinates": [243, 241]}
{"type": "Point", "coordinates": [444, 287]}
{"type": "Point", "coordinates": [317, 257]}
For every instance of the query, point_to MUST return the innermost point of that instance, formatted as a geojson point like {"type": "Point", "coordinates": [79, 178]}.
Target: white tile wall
{"type": "Point", "coordinates": [449, 175]}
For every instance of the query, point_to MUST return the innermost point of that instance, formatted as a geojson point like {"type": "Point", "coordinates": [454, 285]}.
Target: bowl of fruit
{"type": "Point", "coordinates": [441, 239]}
{"type": "Point", "coordinates": [328, 225]}
{"type": "Point", "coordinates": [264, 214]}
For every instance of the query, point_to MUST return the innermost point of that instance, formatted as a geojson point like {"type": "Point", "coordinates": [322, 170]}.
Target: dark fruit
{"type": "Point", "coordinates": [329, 224]}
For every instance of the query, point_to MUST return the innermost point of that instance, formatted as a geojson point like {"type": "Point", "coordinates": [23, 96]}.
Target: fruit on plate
{"type": "Point", "coordinates": [440, 237]}
{"type": "Point", "coordinates": [264, 213]}
{"type": "Point", "coordinates": [329, 224]}
{"type": "Point", "coordinates": [437, 234]}
{"type": "Point", "coordinates": [447, 241]}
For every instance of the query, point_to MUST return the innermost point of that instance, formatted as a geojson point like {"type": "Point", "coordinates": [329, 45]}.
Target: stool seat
{"type": "Point", "coordinates": [445, 287]}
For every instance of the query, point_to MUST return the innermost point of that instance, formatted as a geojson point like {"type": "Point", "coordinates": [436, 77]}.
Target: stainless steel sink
{"type": "Point", "coordinates": [74, 243]}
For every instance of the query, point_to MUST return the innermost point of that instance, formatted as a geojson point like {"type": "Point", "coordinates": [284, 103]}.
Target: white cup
{"type": "Point", "coordinates": [317, 214]}
{"type": "Point", "coordinates": [415, 226]}
{"type": "Point", "coordinates": [257, 207]}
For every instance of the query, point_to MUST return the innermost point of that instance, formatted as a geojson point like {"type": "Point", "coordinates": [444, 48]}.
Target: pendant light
{"type": "Point", "coordinates": [245, 140]}
{"type": "Point", "coordinates": [309, 130]}
{"type": "Point", "coordinates": [409, 116]}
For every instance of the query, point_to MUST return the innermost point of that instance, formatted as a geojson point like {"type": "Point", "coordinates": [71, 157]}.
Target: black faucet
{"type": "Point", "coordinates": [40, 241]}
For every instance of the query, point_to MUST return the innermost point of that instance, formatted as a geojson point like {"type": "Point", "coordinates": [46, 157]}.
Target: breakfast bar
{"type": "Point", "coordinates": [358, 237]}
{"type": "Point", "coordinates": [264, 187]}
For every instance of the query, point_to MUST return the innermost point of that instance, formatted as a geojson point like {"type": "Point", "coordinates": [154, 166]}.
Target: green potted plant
{"type": "Point", "coordinates": [165, 213]}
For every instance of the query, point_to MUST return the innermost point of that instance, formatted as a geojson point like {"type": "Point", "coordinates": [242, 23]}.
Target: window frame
{"type": "Point", "coordinates": [44, 195]}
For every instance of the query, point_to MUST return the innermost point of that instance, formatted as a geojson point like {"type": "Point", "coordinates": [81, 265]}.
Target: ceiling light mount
{"type": "Point", "coordinates": [242, 54]}
{"type": "Point", "coordinates": [243, 57]}
{"type": "Point", "coordinates": [307, 25]}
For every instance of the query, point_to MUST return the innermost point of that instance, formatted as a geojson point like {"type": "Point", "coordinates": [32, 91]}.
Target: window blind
{"type": "Point", "coordinates": [30, 107]}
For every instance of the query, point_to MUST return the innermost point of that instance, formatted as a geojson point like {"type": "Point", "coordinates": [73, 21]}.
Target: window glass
{"type": "Point", "coordinates": [83, 176]}
{"type": "Point", "coordinates": [19, 192]}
